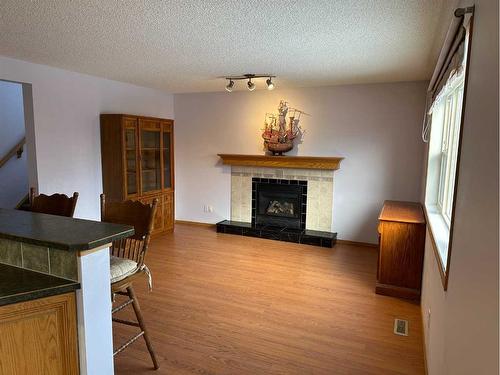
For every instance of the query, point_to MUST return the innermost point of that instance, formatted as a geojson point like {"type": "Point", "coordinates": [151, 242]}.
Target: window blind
{"type": "Point", "coordinates": [450, 62]}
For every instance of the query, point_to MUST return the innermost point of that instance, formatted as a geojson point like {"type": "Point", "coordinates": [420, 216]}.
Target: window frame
{"type": "Point", "coordinates": [441, 219]}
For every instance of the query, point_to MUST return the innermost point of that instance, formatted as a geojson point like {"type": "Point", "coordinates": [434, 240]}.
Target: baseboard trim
{"type": "Point", "coordinates": [356, 243]}
{"type": "Point", "coordinates": [397, 291]}
{"type": "Point", "coordinates": [196, 223]}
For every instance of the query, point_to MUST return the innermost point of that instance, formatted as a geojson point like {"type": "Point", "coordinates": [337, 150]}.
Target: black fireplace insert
{"type": "Point", "coordinates": [279, 203]}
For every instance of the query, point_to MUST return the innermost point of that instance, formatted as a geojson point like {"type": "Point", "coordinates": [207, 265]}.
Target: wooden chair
{"type": "Point", "coordinates": [127, 260]}
{"type": "Point", "coordinates": [55, 204]}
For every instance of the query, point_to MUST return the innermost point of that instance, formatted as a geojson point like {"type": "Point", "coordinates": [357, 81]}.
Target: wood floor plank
{"type": "Point", "coordinates": [225, 304]}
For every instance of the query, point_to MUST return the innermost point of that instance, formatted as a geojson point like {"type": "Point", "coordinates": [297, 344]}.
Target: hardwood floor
{"type": "Point", "coordinates": [225, 304]}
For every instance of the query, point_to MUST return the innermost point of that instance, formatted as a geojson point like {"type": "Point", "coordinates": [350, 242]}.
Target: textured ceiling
{"type": "Point", "coordinates": [183, 46]}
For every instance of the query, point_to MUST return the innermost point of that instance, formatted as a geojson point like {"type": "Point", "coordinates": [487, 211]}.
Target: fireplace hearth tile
{"type": "Point", "coordinates": [251, 232]}
{"type": "Point", "coordinates": [317, 233]}
{"type": "Point", "coordinates": [308, 240]}
{"type": "Point", "coordinates": [307, 237]}
{"type": "Point", "coordinates": [289, 237]}
{"type": "Point", "coordinates": [270, 235]}
{"type": "Point", "coordinates": [292, 230]}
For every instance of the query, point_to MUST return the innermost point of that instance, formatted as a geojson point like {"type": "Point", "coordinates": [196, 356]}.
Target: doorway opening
{"type": "Point", "coordinates": [17, 144]}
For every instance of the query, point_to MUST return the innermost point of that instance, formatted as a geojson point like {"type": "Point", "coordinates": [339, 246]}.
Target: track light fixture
{"type": "Point", "coordinates": [270, 84]}
{"type": "Point", "coordinates": [251, 85]}
{"type": "Point", "coordinates": [230, 85]}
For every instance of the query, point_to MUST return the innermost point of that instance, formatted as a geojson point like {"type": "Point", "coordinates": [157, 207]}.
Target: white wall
{"type": "Point", "coordinates": [11, 115]}
{"type": "Point", "coordinates": [462, 335]}
{"type": "Point", "coordinates": [375, 127]}
{"type": "Point", "coordinates": [66, 108]}
{"type": "Point", "coordinates": [14, 173]}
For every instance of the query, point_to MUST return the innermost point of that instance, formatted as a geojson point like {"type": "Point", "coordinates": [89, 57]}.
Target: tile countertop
{"type": "Point", "coordinates": [59, 232]}
{"type": "Point", "coordinates": [19, 285]}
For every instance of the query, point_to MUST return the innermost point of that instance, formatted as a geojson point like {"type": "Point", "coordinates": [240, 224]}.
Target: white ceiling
{"type": "Point", "coordinates": [183, 46]}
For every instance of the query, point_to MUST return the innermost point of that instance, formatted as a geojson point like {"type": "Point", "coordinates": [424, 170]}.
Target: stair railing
{"type": "Point", "coordinates": [16, 150]}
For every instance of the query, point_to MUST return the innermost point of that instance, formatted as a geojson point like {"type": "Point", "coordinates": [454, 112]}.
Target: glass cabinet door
{"type": "Point", "coordinates": [167, 175]}
{"type": "Point", "coordinates": [131, 161]}
{"type": "Point", "coordinates": [150, 160]}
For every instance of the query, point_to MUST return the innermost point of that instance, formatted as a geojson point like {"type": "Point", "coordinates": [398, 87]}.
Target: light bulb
{"type": "Point", "coordinates": [230, 86]}
{"type": "Point", "coordinates": [251, 85]}
{"type": "Point", "coordinates": [270, 84]}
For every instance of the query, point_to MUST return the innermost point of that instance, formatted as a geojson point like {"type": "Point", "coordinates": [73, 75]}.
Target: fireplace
{"type": "Point", "coordinates": [282, 203]}
{"type": "Point", "coordinates": [279, 203]}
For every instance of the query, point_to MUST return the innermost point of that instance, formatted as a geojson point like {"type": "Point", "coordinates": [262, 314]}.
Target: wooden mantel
{"type": "Point", "coordinates": [305, 162]}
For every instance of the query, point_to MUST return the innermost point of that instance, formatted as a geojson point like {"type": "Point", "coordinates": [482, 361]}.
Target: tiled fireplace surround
{"type": "Point", "coordinates": [319, 193]}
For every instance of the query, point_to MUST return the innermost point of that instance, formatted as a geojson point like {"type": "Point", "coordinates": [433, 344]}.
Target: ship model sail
{"type": "Point", "coordinates": [278, 133]}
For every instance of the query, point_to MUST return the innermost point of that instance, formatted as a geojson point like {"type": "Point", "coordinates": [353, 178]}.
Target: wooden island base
{"type": "Point", "coordinates": [40, 336]}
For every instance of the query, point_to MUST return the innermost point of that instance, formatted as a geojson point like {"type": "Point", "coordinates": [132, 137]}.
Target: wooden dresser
{"type": "Point", "coordinates": [138, 163]}
{"type": "Point", "coordinates": [401, 249]}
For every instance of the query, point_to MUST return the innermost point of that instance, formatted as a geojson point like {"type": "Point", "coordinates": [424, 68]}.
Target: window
{"type": "Point", "coordinates": [442, 129]}
{"type": "Point", "coordinates": [451, 105]}
{"type": "Point", "coordinates": [446, 114]}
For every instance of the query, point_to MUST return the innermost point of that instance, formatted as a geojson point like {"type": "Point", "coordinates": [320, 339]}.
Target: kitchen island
{"type": "Point", "coordinates": [55, 293]}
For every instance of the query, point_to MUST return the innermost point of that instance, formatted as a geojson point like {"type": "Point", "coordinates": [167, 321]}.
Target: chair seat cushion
{"type": "Point", "coordinates": [121, 268]}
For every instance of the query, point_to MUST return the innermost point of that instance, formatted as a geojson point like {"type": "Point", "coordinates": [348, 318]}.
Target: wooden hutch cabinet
{"type": "Point", "coordinates": [138, 163]}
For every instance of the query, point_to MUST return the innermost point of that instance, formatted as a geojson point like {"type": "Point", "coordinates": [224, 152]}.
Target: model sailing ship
{"type": "Point", "coordinates": [278, 135]}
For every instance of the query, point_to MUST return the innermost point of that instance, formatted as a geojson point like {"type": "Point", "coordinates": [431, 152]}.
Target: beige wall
{"type": "Point", "coordinates": [375, 127]}
{"type": "Point", "coordinates": [462, 333]}
{"type": "Point", "coordinates": [66, 109]}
